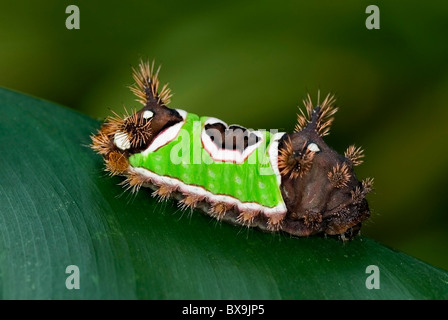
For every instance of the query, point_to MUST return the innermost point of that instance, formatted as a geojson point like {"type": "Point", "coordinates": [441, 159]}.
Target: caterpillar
{"type": "Point", "coordinates": [274, 181]}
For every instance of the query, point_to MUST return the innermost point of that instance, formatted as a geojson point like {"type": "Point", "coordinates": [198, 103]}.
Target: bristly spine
{"type": "Point", "coordinates": [304, 117]}
{"type": "Point", "coordinates": [164, 192]}
{"type": "Point", "coordinates": [367, 185]}
{"type": "Point", "coordinates": [324, 117]}
{"type": "Point", "coordinates": [190, 201]}
{"type": "Point", "coordinates": [359, 193]}
{"type": "Point", "coordinates": [293, 163]}
{"type": "Point", "coordinates": [137, 128]}
{"type": "Point", "coordinates": [146, 86]}
{"type": "Point", "coordinates": [355, 155]}
{"type": "Point", "coordinates": [100, 143]}
{"type": "Point", "coordinates": [275, 222]}
{"type": "Point", "coordinates": [116, 163]}
{"type": "Point", "coordinates": [133, 181]}
{"type": "Point", "coordinates": [246, 218]}
{"type": "Point", "coordinates": [339, 176]}
{"type": "Point", "coordinates": [219, 209]}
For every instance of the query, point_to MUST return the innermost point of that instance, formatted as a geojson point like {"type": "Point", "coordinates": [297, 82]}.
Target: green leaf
{"type": "Point", "coordinates": [58, 208]}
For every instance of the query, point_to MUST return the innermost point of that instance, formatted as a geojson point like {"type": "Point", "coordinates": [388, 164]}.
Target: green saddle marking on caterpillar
{"type": "Point", "coordinates": [186, 159]}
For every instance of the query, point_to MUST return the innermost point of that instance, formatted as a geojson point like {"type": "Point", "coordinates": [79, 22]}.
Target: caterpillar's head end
{"type": "Point", "coordinates": [319, 185]}
{"type": "Point", "coordinates": [130, 133]}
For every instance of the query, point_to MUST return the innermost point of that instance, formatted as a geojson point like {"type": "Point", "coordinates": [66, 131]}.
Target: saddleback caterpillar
{"type": "Point", "coordinates": [290, 182]}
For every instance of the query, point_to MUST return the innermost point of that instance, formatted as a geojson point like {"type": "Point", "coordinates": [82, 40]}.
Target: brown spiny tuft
{"type": "Point", "coordinates": [137, 129]}
{"type": "Point", "coordinates": [190, 201]}
{"type": "Point", "coordinates": [113, 123]}
{"type": "Point", "coordinates": [133, 181]}
{"type": "Point", "coordinates": [116, 163]}
{"type": "Point", "coordinates": [164, 192]}
{"type": "Point", "coordinates": [339, 176]}
{"type": "Point", "coordinates": [312, 218]}
{"type": "Point", "coordinates": [325, 116]}
{"type": "Point", "coordinates": [323, 119]}
{"type": "Point", "coordinates": [367, 185]}
{"type": "Point", "coordinates": [294, 163]}
{"type": "Point", "coordinates": [354, 154]}
{"type": "Point", "coordinates": [247, 217]}
{"type": "Point", "coordinates": [219, 209]}
{"type": "Point", "coordinates": [357, 195]}
{"type": "Point", "coordinates": [146, 86]}
{"type": "Point", "coordinates": [304, 117]}
{"type": "Point", "coordinates": [100, 143]}
{"type": "Point", "coordinates": [275, 222]}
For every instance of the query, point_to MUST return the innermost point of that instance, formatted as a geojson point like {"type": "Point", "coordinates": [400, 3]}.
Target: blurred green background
{"type": "Point", "coordinates": [252, 62]}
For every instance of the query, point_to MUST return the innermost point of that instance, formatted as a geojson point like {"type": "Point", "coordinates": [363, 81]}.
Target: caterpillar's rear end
{"type": "Point", "coordinates": [320, 193]}
{"type": "Point", "coordinates": [321, 190]}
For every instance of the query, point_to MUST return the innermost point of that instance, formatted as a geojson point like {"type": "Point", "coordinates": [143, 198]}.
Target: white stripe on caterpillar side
{"type": "Point", "coordinates": [210, 197]}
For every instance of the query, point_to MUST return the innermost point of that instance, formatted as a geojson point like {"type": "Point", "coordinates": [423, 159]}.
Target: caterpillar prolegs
{"type": "Point", "coordinates": [275, 181]}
